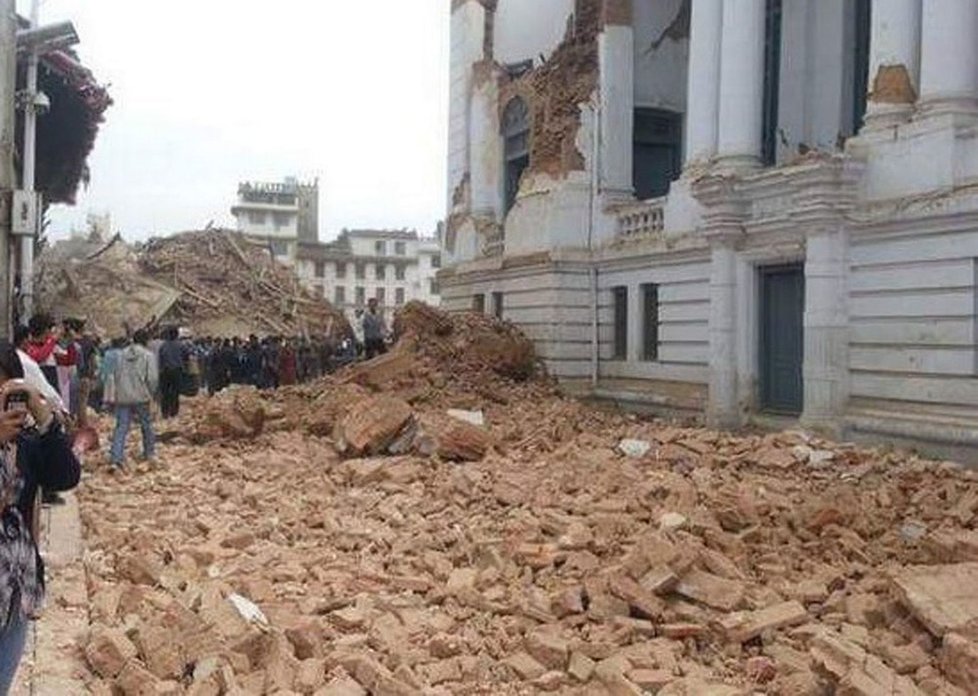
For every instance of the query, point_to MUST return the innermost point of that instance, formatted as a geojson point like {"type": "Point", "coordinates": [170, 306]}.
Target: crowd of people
{"type": "Point", "coordinates": [134, 376]}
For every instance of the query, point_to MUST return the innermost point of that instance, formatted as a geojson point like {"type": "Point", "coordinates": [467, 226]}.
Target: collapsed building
{"type": "Point", "coordinates": [743, 209]}
{"type": "Point", "coordinates": [211, 282]}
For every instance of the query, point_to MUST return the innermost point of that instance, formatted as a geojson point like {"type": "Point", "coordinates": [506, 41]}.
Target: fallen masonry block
{"type": "Point", "coordinates": [525, 666]}
{"type": "Point", "coordinates": [136, 680]}
{"type": "Point", "coordinates": [107, 652]}
{"type": "Point", "coordinates": [959, 660]}
{"type": "Point", "coordinates": [371, 425]}
{"type": "Point", "coordinates": [943, 597]}
{"type": "Point", "coordinates": [743, 626]}
{"type": "Point", "coordinates": [711, 590]}
{"type": "Point", "coordinates": [458, 441]}
{"type": "Point", "coordinates": [548, 649]}
{"type": "Point", "coordinates": [641, 601]}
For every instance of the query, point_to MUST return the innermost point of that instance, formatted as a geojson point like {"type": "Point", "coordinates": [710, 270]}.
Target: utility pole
{"type": "Point", "coordinates": [30, 163]}
{"type": "Point", "coordinates": [8, 89]}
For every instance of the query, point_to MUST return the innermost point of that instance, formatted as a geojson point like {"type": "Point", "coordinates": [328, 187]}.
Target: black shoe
{"type": "Point", "coordinates": [49, 498]}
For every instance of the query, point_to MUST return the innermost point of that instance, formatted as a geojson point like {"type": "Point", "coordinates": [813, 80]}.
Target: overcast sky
{"type": "Point", "coordinates": [211, 92]}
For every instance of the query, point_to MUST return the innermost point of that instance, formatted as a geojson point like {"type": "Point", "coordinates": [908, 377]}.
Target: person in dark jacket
{"type": "Point", "coordinates": [34, 454]}
{"type": "Point", "coordinates": [173, 355]}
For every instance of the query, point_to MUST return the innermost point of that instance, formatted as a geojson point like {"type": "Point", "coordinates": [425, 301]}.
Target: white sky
{"type": "Point", "coordinates": [211, 92]}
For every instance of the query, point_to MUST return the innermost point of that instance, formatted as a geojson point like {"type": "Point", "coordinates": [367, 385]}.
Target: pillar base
{"type": "Point", "coordinates": [959, 107]}
{"type": "Point", "coordinates": [732, 164]}
{"type": "Point", "coordinates": [882, 116]}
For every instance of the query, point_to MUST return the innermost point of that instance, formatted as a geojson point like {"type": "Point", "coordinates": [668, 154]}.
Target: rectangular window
{"type": "Point", "coordinates": [657, 157]}
{"type": "Point", "coordinates": [361, 271]}
{"type": "Point", "coordinates": [497, 305]}
{"type": "Point", "coordinates": [340, 294]}
{"type": "Point", "coordinates": [400, 248]}
{"type": "Point", "coordinates": [772, 82]}
{"type": "Point", "coordinates": [380, 271]}
{"type": "Point", "coordinates": [380, 248]}
{"type": "Point", "coordinates": [256, 217]}
{"type": "Point", "coordinates": [381, 295]}
{"type": "Point", "coordinates": [433, 288]}
{"type": "Point", "coordinates": [399, 272]}
{"type": "Point", "coordinates": [280, 249]}
{"type": "Point", "coordinates": [361, 296]}
{"type": "Point", "coordinates": [650, 322]}
{"type": "Point", "coordinates": [619, 301]}
{"type": "Point", "coordinates": [320, 269]}
{"type": "Point", "coordinates": [436, 261]}
{"type": "Point", "coordinates": [479, 304]}
{"type": "Point", "coordinates": [341, 269]}
{"type": "Point", "coordinates": [399, 296]}
{"type": "Point", "coordinates": [281, 220]}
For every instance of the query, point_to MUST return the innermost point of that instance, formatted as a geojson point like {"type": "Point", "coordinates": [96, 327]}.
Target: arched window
{"type": "Point", "coordinates": [516, 139]}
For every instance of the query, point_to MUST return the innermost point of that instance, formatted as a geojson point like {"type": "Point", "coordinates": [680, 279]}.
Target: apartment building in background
{"type": "Point", "coordinates": [282, 214]}
{"type": "Point", "coordinates": [756, 210]}
{"type": "Point", "coordinates": [393, 266]}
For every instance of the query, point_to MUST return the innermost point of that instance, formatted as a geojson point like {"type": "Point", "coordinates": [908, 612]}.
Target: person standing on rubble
{"type": "Point", "coordinates": [136, 380]}
{"type": "Point", "coordinates": [374, 331]}
{"type": "Point", "coordinates": [34, 453]}
{"type": "Point", "coordinates": [172, 357]}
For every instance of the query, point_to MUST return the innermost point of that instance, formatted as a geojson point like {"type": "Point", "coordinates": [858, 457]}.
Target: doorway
{"type": "Point", "coordinates": [782, 339]}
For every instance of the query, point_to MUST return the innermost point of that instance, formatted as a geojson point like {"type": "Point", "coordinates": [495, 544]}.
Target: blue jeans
{"type": "Point", "coordinates": [12, 642]}
{"type": "Point", "coordinates": [123, 419]}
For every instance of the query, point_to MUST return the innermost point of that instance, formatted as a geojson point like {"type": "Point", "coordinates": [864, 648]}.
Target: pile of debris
{"type": "Point", "coordinates": [582, 552]}
{"type": "Point", "coordinates": [427, 396]}
{"type": "Point", "coordinates": [214, 282]}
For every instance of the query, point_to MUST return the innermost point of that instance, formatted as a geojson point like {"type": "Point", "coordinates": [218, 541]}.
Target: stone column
{"type": "Point", "coordinates": [741, 84]}
{"type": "Point", "coordinates": [894, 62]}
{"type": "Point", "coordinates": [616, 57]}
{"type": "Point", "coordinates": [485, 143]}
{"type": "Point", "coordinates": [949, 58]}
{"type": "Point", "coordinates": [703, 94]}
{"type": "Point", "coordinates": [722, 410]}
{"type": "Point", "coordinates": [825, 368]}
{"type": "Point", "coordinates": [723, 227]}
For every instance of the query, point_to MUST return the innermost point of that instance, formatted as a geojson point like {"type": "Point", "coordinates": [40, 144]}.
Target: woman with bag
{"type": "Point", "coordinates": [34, 453]}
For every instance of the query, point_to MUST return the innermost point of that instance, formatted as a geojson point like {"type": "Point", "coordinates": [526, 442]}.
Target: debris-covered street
{"type": "Point", "coordinates": [352, 537]}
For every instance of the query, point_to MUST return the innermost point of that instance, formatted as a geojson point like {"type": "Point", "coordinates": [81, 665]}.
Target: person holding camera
{"type": "Point", "coordinates": [34, 453]}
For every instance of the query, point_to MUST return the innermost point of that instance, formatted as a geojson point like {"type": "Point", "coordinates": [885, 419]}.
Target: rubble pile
{"type": "Point", "coordinates": [581, 551]}
{"type": "Point", "coordinates": [397, 402]}
{"type": "Point", "coordinates": [214, 282]}
{"type": "Point", "coordinates": [222, 275]}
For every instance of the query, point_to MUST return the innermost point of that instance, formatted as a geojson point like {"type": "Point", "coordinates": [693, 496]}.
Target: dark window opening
{"type": "Point", "coordinates": [619, 300]}
{"type": "Point", "coordinates": [650, 323]}
{"type": "Point", "coordinates": [361, 294]}
{"type": "Point", "coordinates": [772, 81]}
{"type": "Point", "coordinates": [320, 269]}
{"type": "Point", "coordinates": [516, 146]}
{"type": "Point", "coordinates": [860, 82]}
{"type": "Point", "coordinates": [497, 305]}
{"type": "Point", "coordinates": [479, 304]}
{"type": "Point", "coordinates": [381, 296]}
{"type": "Point", "coordinates": [656, 152]}
{"type": "Point", "coordinates": [436, 261]}
{"type": "Point", "coordinates": [340, 294]}
{"type": "Point", "coordinates": [341, 270]}
{"type": "Point", "coordinates": [399, 296]}
{"type": "Point", "coordinates": [380, 271]}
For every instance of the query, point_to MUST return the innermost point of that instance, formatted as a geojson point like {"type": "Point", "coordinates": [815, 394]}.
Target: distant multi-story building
{"type": "Point", "coordinates": [393, 266]}
{"type": "Point", "coordinates": [283, 214]}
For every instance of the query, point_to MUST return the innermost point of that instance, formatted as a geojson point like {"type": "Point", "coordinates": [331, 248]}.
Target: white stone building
{"type": "Point", "coordinates": [282, 214]}
{"type": "Point", "coordinates": [394, 266]}
{"type": "Point", "coordinates": [736, 207]}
